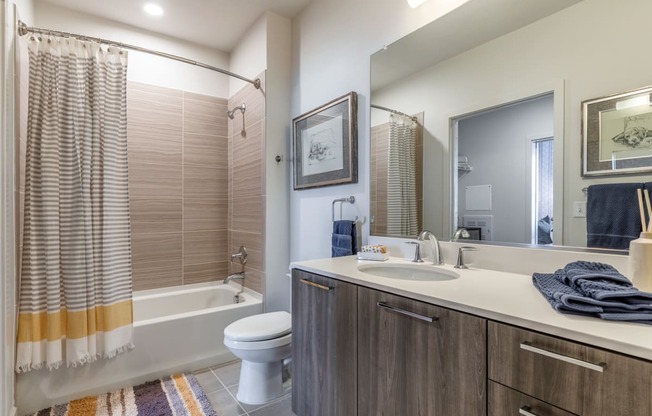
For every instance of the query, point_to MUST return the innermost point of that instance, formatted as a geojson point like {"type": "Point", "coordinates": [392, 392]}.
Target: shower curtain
{"type": "Point", "coordinates": [75, 301]}
{"type": "Point", "coordinates": [402, 216]}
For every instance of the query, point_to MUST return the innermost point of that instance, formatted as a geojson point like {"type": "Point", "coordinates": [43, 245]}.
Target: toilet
{"type": "Point", "coordinates": [262, 342]}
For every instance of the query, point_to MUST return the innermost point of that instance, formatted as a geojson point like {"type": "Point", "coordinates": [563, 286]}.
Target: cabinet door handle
{"type": "Point", "coordinates": [525, 345]}
{"type": "Point", "coordinates": [525, 411]}
{"type": "Point", "coordinates": [317, 285]}
{"type": "Point", "coordinates": [408, 313]}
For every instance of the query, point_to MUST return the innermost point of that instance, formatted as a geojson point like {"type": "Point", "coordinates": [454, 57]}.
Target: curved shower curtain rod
{"type": "Point", "coordinates": [23, 30]}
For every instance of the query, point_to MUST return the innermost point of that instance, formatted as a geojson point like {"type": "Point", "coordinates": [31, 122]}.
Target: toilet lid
{"type": "Point", "coordinates": [260, 327]}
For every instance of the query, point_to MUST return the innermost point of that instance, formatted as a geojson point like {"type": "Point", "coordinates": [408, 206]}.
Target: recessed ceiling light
{"type": "Point", "coordinates": [416, 3]}
{"type": "Point", "coordinates": [153, 9]}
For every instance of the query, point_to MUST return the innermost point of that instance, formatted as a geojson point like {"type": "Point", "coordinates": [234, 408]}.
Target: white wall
{"type": "Point", "coordinates": [277, 142]}
{"type": "Point", "coordinates": [146, 68]}
{"type": "Point", "coordinates": [498, 145]}
{"type": "Point", "coordinates": [249, 57]}
{"type": "Point", "coordinates": [332, 41]}
{"type": "Point", "coordinates": [11, 10]}
{"type": "Point", "coordinates": [586, 45]}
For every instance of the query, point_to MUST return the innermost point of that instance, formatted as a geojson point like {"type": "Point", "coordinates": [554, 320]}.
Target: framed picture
{"type": "Point", "coordinates": [326, 144]}
{"type": "Point", "coordinates": [617, 134]}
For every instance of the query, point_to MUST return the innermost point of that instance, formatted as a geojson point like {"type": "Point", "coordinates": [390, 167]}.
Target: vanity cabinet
{"type": "Point", "coordinates": [571, 376]}
{"type": "Point", "coordinates": [324, 346]}
{"type": "Point", "coordinates": [418, 359]}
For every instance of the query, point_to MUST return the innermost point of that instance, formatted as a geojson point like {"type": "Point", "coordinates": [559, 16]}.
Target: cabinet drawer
{"type": "Point", "coordinates": [504, 401]}
{"type": "Point", "coordinates": [541, 366]}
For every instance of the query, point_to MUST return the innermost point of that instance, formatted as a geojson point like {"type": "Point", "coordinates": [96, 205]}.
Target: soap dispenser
{"type": "Point", "coordinates": [640, 262]}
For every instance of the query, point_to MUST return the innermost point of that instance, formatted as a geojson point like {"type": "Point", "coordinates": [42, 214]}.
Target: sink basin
{"type": "Point", "coordinates": [408, 272]}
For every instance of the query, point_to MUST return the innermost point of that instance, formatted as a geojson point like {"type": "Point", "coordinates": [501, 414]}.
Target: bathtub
{"type": "Point", "coordinates": [176, 329]}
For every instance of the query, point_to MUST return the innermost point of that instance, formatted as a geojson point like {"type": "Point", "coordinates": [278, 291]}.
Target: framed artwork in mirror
{"type": "Point", "coordinates": [617, 134]}
{"type": "Point", "coordinates": [325, 144]}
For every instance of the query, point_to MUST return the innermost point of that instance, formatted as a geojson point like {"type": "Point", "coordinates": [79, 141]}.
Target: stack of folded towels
{"type": "Point", "coordinates": [594, 289]}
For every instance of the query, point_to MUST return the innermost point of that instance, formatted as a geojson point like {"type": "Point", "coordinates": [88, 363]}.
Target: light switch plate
{"type": "Point", "coordinates": [579, 209]}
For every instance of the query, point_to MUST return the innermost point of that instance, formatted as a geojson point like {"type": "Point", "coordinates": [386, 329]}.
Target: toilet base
{"type": "Point", "coordinates": [260, 383]}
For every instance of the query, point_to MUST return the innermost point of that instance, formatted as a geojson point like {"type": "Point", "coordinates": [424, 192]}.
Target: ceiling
{"type": "Point", "coordinates": [219, 24]}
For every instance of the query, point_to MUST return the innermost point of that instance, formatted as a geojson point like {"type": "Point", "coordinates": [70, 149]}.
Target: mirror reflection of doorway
{"type": "Point", "coordinates": [542, 190]}
{"type": "Point", "coordinates": [501, 186]}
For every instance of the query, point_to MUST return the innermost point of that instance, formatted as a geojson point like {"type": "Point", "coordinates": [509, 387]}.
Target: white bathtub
{"type": "Point", "coordinates": [176, 329]}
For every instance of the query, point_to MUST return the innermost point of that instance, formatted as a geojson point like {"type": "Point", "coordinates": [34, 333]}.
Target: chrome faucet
{"type": "Point", "coordinates": [460, 257]}
{"type": "Point", "coordinates": [234, 276]}
{"type": "Point", "coordinates": [417, 251]}
{"type": "Point", "coordinates": [437, 258]}
{"type": "Point", "coordinates": [461, 232]}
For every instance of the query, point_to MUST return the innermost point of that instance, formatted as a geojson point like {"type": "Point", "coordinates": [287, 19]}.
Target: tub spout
{"type": "Point", "coordinates": [234, 276]}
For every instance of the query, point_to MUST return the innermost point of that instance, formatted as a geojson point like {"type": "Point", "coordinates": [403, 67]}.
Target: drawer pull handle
{"type": "Point", "coordinates": [408, 313]}
{"type": "Point", "coordinates": [595, 367]}
{"type": "Point", "coordinates": [525, 411]}
{"type": "Point", "coordinates": [317, 285]}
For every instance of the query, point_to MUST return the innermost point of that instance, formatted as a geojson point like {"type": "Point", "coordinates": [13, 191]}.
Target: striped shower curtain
{"type": "Point", "coordinates": [402, 218]}
{"type": "Point", "coordinates": [75, 302]}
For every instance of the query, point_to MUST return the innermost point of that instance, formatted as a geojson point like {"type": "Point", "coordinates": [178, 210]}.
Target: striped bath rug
{"type": "Point", "coordinates": [178, 395]}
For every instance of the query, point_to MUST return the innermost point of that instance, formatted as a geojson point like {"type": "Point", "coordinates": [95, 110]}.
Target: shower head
{"type": "Point", "coordinates": [231, 113]}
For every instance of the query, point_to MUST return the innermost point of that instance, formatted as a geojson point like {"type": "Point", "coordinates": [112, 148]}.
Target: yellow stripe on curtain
{"type": "Point", "coordinates": [36, 327]}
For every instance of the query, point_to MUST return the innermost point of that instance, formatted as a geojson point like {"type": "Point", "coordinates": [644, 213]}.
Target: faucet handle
{"type": "Point", "coordinates": [417, 251]}
{"type": "Point", "coordinates": [460, 256]}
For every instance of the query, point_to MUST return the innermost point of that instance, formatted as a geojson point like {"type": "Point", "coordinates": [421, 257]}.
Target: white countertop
{"type": "Point", "coordinates": [496, 295]}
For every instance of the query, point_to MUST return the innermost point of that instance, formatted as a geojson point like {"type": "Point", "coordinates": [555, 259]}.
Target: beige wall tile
{"type": "Point", "coordinates": [156, 260]}
{"type": "Point", "coordinates": [202, 182]}
{"type": "Point", "coordinates": [248, 214]}
{"type": "Point", "coordinates": [204, 247]}
{"type": "Point", "coordinates": [154, 126]}
{"type": "Point", "coordinates": [205, 272]}
{"type": "Point", "coordinates": [201, 214]}
{"type": "Point", "coordinates": [247, 180]}
{"type": "Point", "coordinates": [154, 181]}
{"type": "Point", "coordinates": [204, 115]}
{"type": "Point", "coordinates": [153, 89]}
{"type": "Point", "coordinates": [199, 149]}
{"type": "Point", "coordinates": [248, 148]}
{"type": "Point", "coordinates": [254, 279]}
{"type": "Point", "coordinates": [155, 215]}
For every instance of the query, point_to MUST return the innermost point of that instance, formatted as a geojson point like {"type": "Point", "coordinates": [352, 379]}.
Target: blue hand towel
{"type": "Point", "coordinates": [594, 289]}
{"type": "Point", "coordinates": [612, 216]}
{"type": "Point", "coordinates": [344, 239]}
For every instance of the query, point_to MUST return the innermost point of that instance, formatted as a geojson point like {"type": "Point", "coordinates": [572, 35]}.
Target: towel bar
{"type": "Point", "coordinates": [350, 200]}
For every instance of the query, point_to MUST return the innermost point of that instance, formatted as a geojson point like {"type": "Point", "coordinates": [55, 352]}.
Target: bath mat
{"type": "Point", "coordinates": [178, 395]}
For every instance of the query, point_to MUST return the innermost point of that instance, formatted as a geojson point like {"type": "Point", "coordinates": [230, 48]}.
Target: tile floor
{"type": "Point", "coordinates": [221, 386]}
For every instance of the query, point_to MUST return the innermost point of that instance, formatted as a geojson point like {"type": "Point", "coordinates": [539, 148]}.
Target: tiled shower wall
{"type": "Point", "coordinates": [378, 177]}
{"type": "Point", "coordinates": [178, 189]}
{"type": "Point", "coordinates": [246, 182]}
{"type": "Point", "coordinates": [184, 209]}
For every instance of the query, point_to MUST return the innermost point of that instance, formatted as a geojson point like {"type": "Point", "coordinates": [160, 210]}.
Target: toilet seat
{"type": "Point", "coordinates": [258, 345]}
{"type": "Point", "coordinates": [262, 327]}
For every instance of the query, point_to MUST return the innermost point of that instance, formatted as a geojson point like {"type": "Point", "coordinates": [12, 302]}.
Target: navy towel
{"type": "Point", "coordinates": [612, 216]}
{"type": "Point", "coordinates": [344, 241]}
{"type": "Point", "coordinates": [594, 289]}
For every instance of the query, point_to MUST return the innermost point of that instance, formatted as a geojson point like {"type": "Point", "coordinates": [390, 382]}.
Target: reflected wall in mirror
{"type": "Point", "coordinates": [516, 50]}
{"type": "Point", "coordinates": [504, 182]}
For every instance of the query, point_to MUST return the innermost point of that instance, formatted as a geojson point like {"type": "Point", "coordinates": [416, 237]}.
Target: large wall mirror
{"type": "Point", "coordinates": [478, 125]}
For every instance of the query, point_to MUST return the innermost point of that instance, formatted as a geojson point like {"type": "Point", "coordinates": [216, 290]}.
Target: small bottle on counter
{"type": "Point", "coordinates": [640, 262]}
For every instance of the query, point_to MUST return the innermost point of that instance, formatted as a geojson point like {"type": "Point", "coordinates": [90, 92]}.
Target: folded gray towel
{"type": "Point", "coordinates": [594, 289]}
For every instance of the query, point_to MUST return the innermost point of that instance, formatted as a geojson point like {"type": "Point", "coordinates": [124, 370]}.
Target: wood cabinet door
{"type": "Point", "coordinates": [410, 366]}
{"type": "Point", "coordinates": [538, 365]}
{"type": "Point", "coordinates": [621, 389]}
{"type": "Point", "coordinates": [324, 346]}
{"type": "Point", "coordinates": [504, 401]}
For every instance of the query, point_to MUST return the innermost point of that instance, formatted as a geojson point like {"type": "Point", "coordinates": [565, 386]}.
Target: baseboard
{"type": "Point", "coordinates": [14, 411]}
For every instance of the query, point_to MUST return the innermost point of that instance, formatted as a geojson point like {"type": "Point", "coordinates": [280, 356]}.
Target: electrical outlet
{"type": "Point", "coordinates": [579, 209]}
